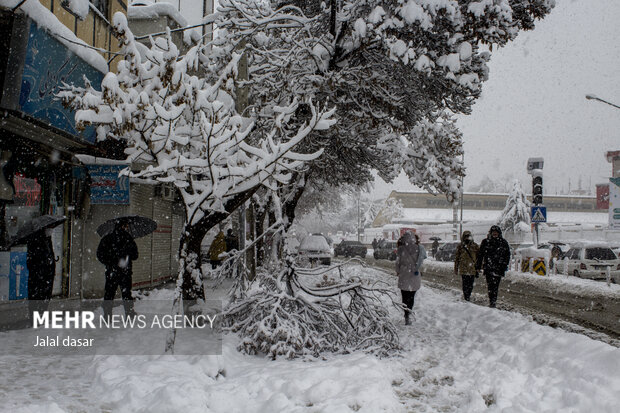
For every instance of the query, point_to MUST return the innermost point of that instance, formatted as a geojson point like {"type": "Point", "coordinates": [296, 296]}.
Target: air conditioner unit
{"type": "Point", "coordinates": [167, 192]}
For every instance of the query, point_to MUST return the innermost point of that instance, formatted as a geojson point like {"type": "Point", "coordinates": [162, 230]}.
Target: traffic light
{"type": "Point", "coordinates": [537, 190]}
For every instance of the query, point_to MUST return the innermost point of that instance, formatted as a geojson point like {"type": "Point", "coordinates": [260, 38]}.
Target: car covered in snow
{"type": "Point", "coordinates": [315, 248]}
{"type": "Point", "coordinates": [386, 250]}
{"type": "Point", "coordinates": [350, 249]}
{"type": "Point", "coordinates": [591, 260]}
{"type": "Point", "coordinates": [447, 252]}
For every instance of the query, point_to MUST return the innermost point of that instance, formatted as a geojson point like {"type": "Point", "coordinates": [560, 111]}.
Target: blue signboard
{"type": "Point", "coordinates": [48, 64]}
{"type": "Point", "coordinates": [107, 187]}
{"type": "Point", "coordinates": [539, 214]}
{"type": "Point", "coordinates": [18, 276]}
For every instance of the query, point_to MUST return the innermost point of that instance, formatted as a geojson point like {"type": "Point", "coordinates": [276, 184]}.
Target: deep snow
{"type": "Point", "coordinates": [457, 357]}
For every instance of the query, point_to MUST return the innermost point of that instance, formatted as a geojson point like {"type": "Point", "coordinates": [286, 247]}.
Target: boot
{"type": "Point", "coordinates": [407, 318]}
{"type": "Point", "coordinates": [129, 310]}
{"type": "Point", "coordinates": [107, 309]}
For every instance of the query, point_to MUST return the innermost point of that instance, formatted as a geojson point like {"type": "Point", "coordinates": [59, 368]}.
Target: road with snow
{"type": "Point", "coordinates": [583, 306]}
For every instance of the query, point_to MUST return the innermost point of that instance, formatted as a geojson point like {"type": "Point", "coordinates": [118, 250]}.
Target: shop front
{"type": "Point", "coordinates": [38, 140]}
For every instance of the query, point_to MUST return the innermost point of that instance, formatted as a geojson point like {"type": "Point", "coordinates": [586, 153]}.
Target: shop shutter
{"type": "Point", "coordinates": [162, 214]}
{"type": "Point", "coordinates": [142, 204]}
{"type": "Point", "coordinates": [177, 227]}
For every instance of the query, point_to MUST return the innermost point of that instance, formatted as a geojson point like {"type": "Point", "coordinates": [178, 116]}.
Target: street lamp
{"type": "Point", "coordinates": [592, 97]}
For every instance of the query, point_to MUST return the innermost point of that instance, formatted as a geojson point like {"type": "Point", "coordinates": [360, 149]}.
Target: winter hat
{"type": "Point", "coordinates": [465, 235]}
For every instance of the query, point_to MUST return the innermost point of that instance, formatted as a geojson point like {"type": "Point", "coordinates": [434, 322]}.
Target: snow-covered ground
{"type": "Point", "coordinates": [457, 357]}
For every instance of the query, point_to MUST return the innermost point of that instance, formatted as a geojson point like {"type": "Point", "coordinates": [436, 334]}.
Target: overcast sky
{"type": "Point", "coordinates": [534, 102]}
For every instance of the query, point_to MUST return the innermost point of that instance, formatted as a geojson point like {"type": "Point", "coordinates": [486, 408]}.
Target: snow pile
{"type": "Point", "coordinates": [346, 384]}
{"type": "Point", "coordinates": [46, 19]}
{"type": "Point", "coordinates": [458, 357]}
{"type": "Point", "coordinates": [470, 358]}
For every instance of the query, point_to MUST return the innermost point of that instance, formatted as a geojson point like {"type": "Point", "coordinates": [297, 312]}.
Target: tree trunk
{"type": "Point", "coordinates": [191, 240]}
{"type": "Point", "coordinates": [188, 287]}
{"type": "Point", "coordinates": [288, 207]}
{"type": "Point", "coordinates": [259, 215]}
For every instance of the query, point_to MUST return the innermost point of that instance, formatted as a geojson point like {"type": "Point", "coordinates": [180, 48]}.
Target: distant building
{"type": "Point", "coordinates": [613, 157]}
{"type": "Point", "coordinates": [422, 208]}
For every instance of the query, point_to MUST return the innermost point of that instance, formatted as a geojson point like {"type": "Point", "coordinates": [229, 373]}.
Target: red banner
{"type": "Point", "coordinates": [602, 196]}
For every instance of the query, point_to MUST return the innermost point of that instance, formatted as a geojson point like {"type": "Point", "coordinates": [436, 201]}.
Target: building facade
{"type": "Point", "coordinates": [50, 167]}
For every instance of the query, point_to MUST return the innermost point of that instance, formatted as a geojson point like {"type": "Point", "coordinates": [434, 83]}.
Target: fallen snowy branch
{"type": "Point", "coordinates": [284, 317]}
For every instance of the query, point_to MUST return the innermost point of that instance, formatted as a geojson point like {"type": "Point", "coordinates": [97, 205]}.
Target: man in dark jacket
{"type": "Point", "coordinates": [41, 269]}
{"type": "Point", "coordinates": [434, 248]}
{"type": "Point", "coordinates": [116, 251]}
{"type": "Point", "coordinates": [232, 242]}
{"type": "Point", "coordinates": [493, 259]}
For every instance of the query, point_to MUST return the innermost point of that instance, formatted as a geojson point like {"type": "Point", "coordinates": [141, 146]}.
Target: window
{"type": "Point", "coordinates": [600, 254]}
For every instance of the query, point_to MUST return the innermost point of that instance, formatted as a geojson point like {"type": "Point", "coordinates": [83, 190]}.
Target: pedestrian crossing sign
{"type": "Point", "coordinates": [539, 214]}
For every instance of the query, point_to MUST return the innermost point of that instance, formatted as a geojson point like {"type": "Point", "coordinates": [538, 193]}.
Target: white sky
{"type": "Point", "coordinates": [534, 102]}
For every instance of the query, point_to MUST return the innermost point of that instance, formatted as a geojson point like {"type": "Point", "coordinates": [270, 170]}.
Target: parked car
{"type": "Point", "coordinates": [591, 261]}
{"type": "Point", "coordinates": [315, 248]}
{"type": "Point", "coordinates": [447, 251]}
{"type": "Point", "coordinates": [350, 249]}
{"type": "Point", "coordinates": [386, 250]}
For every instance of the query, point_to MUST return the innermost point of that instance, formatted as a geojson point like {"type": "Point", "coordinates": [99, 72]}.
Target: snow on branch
{"type": "Point", "coordinates": [285, 317]}
{"type": "Point", "coordinates": [185, 126]}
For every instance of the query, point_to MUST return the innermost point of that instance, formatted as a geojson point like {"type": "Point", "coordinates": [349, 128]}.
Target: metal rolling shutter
{"type": "Point", "coordinates": [142, 204]}
{"type": "Point", "coordinates": [160, 263]}
{"type": "Point", "coordinates": [177, 227]}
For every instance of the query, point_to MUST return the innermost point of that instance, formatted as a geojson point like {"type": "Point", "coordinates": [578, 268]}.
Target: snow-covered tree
{"type": "Point", "coordinates": [177, 115]}
{"type": "Point", "coordinates": [516, 214]}
{"type": "Point", "coordinates": [395, 70]}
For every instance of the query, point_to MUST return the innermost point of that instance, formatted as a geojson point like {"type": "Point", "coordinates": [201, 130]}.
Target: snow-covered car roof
{"type": "Point", "coordinates": [314, 242]}
{"type": "Point", "coordinates": [590, 244]}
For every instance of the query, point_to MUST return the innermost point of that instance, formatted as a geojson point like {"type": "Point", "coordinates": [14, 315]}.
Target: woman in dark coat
{"type": "Point", "coordinates": [409, 258]}
{"type": "Point", "coordinates": [493, 259]}
{"type": "Point", "coordinates": [116, 251]}
{"type": "Point", "coordinates": [465, 263]}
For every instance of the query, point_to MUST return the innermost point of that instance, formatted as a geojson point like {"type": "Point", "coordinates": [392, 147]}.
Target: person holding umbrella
{"type": "Point", "coordinates": [41, 265]}
{"type": "Point", "coordinates": [435, 245]}
{"type": "Point", "coordinates": [40, 259]}
{"type": "Point", "coordinates": [116, 251]}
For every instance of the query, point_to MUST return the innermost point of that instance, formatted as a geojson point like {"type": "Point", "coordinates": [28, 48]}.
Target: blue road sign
{"type": "Point", "coordinates": [539, 214]}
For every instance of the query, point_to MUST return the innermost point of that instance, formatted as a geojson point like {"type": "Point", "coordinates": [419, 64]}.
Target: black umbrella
{"type": "Point", "coordinates": [435, 238]}
{"type": "Point", "coordinates": [35, 225]}
{"type": "Point", "coordinates": [139, 226]}
{"type": "Point", "coordinates": [556, 242]}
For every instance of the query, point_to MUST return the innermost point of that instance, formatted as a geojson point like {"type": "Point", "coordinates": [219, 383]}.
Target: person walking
{"type": "Point", "coordinates": [232, 242]}
{"type": "Point", "coordinates": [116, 251]}
{"type": "Point", "coordinates": [465, 263]}
{"type": "Point", "coordinates": [493, 258]}
{"type": "Point", "coordinates": [435, 247]}
{"type": "Point", "coordinates": [409, 258]}
{"type": "Point", "coordinates": [218, 247]}
{"type": "Point", "coordinates": [41, 265]}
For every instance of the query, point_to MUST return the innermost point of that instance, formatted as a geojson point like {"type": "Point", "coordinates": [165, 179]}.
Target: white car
{"type": "Point", "coordinates": [591, 260]}
{"type": "Point", "coordinates": [315, 248]}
